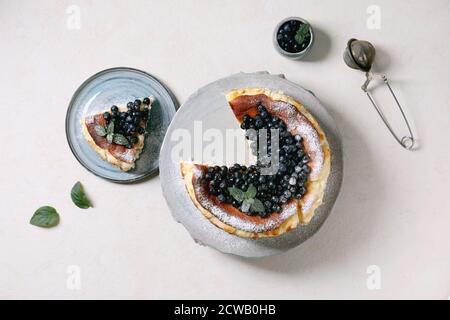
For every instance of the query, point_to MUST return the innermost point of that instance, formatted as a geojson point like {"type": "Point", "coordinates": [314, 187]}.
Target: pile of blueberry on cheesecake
{"type": "Point", "coordinates": [271, 190]}
{"type": "Point", "coordinates": [128, 123]}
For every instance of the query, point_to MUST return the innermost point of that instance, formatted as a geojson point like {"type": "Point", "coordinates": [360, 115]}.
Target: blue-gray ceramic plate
{"type": "Point", "coordinates": [118, 86]}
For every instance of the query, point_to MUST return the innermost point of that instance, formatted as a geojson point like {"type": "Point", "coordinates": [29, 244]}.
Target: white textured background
{"type": "Point", "coordinates": [394, 208]}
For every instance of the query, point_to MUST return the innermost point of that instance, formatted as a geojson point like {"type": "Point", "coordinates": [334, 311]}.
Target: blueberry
{"type": "Point", "coordinates": [287, 27]}
{"type": "Point", "coordinates": [137, 103]}
{"type": "Point", "coordinates": [133, 139]}
{"type": "Point", "coordinates": [146, 101]}
{"type": "Point", "coordinates": [130, 105]}
{"type": "Point", "coordinates": [287, 194]}
{"type": "Point", "coordinates": [107, 116]}
{"type": "Point", "coordinates": [263, 214]}
{"type": "Point", "coordinates": [114, 109]}
{"type": "Point", "coordinates": [262, 187]}
{"type": "Point", "coordinates": [136, 120]}
{"type": "Point", "coordinates": [288, 140]}
{"type": "Point", "coordinates": [302, 190]}
{"type": "Point", "coordinates": [301, 178]}
{"type": "Point", "coordinates": [261, 108]}
{"type": "Point", "coordinates": [141, 130]}
{"type": "Point", "coordinates": [294, 24]}
{"type": "Point", "coordinates": [221, 198]}
{"type": "Point", "coordinates": [292, 181]}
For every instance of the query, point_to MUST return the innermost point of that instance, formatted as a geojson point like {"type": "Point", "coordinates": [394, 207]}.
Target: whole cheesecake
{"type": "Point", "coordinates": [245, 200]}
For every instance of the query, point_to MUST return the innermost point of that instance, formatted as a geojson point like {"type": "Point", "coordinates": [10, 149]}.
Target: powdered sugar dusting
{"type": "Point", "coordinates": [297, 123]}
{"type": "Point", "coordinates": [307, 203]}
{"type": "Point", "coordinates": [128, 155]}
{"type": "Point", "coordinates": [273, 222]}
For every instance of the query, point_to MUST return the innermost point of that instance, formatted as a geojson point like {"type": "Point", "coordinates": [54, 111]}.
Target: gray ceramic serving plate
{"type": "Point", "coordinates": [209, 105]}
{"type": "Point", "coordinates": [118, 86]}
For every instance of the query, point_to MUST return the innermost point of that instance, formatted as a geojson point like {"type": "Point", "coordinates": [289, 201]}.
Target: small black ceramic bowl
{"type": "Point", "coordinates": [293, 37]}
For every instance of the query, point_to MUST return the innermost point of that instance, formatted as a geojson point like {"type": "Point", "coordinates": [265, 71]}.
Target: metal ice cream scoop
{"type": "Point", "coordinates": [360, 55]}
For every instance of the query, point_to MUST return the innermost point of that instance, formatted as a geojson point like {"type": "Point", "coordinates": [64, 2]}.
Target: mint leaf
{"type": "Point", "coordinates": [251, 192]}
{"type": "Point", "coordinates": [245, 207]}
{"type": "Point", "coordinates": [257, 205]}
{"type": "Point", "coordinates": [237, 193]}
{"type": "Point", "coordinates": [110, 129]}
{"type": "Point", "coordinates": [302, 33]}
{"type": "Point", "coordinates": [79, 197]}
{"type": "Point", "coordinates": [110, 137]}
{"type": "Point", "coordinates": [45, 217]}
{"type": "Point", "coordinates": [100, 131]}
{"type": "Point", "coordinates": [120, 139]}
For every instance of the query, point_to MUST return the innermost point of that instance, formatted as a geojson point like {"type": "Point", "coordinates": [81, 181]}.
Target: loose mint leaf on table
{"type": "Point", "coordinates": [101, 131]}
{"type": "Point", "coordinates": [79, 197]}
{"type": "Point", "coordinates": [45, 217]}
{"type": "Point", "coordinates": [302, 33]}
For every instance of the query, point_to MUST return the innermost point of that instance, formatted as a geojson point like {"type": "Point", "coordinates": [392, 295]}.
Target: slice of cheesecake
{"type": "Point", "coordinates": [118, 134]}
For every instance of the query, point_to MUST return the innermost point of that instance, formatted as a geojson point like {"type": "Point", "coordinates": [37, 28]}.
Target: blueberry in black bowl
{"type": "Point", "coordinates": [293, 37]}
